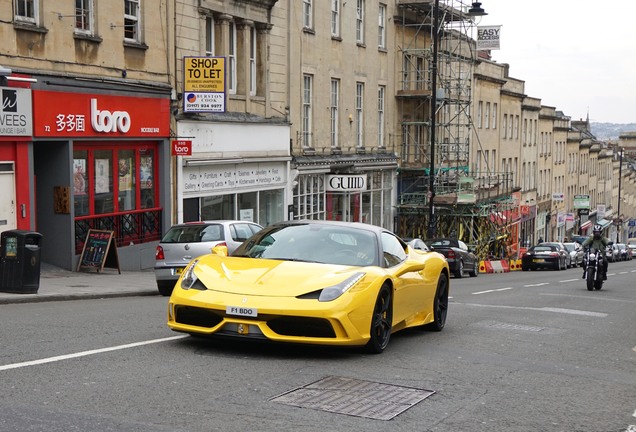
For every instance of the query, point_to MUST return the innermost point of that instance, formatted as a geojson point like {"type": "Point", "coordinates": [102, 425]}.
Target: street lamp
{"type": "Point", "coordinates": [474, 11]}
{"type": "Point", "coordinates": [618, 208]}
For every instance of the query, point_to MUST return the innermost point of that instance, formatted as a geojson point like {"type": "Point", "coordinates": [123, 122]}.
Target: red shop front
{"type": "Point", "coordinates": [109, 167]}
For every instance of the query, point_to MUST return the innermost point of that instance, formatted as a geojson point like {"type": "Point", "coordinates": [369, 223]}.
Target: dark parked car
{"type": "Point", "coordinates": [545, 255]}
{"type": "Point", "coordinates": [184, 242]}
{"type": "Point", "coordinates": [460, 258]}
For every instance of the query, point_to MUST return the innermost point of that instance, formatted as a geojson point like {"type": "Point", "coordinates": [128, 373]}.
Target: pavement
{"type": "Point", "coordinates": [58, 284]}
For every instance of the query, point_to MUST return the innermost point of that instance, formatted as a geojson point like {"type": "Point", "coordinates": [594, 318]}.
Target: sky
{"type": "Point", "coordinates": [578, 56]}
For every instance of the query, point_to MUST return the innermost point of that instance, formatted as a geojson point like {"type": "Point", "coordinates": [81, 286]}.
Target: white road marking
{"type": "Point", "coordinates": [493, 290]}
{"type": "Point", "coordinates": [569, 280]}
{"type": "Point", "coordinates": [539, 284]}
{"type": "Point", "coordinates": [574, 312]}
{"type": "Point", "coordinates": [544, 309]}
{"type": "Point", "coordinates": [87, 353]}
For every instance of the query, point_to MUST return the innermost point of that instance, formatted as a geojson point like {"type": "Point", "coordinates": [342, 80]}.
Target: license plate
{"type": "Point", "coordinates": [538, 260]}
{"type": "Point", "coordinates": [241, 311]}
{"type": "Point", "coordinates": [179, 270]}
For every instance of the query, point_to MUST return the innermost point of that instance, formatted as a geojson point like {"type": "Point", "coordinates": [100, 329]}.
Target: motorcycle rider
{"type": "Point", "coordinates": [597, 241]}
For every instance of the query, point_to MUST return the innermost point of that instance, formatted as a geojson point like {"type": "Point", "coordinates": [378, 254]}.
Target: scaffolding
{"type": "Point", "coordinates": [476, 207]}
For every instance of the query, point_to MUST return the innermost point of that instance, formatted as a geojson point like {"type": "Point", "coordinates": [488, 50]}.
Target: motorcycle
{"type": "Point", "coordinates": [593, 264]}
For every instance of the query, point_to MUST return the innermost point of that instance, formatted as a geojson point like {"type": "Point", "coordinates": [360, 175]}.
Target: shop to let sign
{"type": "Point", "coordinates": [204, 84]}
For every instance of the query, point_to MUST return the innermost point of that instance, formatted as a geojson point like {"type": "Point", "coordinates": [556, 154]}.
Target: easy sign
{"type": "Point", "coordinates": [181, 147]}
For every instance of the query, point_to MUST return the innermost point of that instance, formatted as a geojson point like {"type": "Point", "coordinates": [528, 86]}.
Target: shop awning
{"type": "Point", "coordinates": [586, 225]}
{"type": "Point", "coordinates": [603, 222]}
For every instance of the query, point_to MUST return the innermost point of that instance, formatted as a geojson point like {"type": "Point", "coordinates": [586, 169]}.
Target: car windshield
{"type": "Point", "coordinates": [193, 233]}
{"type": "Point", "coordinates": [313, 243]}
{"type": "Point", "coordinates": [570, 247]}
{"type": "Point", "coordinates": [544, 248]}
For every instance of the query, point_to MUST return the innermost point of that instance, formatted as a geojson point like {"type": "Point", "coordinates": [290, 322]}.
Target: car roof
{"type": "Point", "coordinates": [359, 225]}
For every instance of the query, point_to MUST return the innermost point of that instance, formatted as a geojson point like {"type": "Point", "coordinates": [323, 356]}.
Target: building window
{"type": "Point", "coordinates": [360, 21]}
{"type": "Point", "coordinates": [335, 18]}
{"type": "Point", "coordinates": [209, 36]}
{"type": "Point", "coordinates": [480, 108]}
{"type": "Point", "coordinates": [309, 197]}
{"type": "Point", "coordinates": [307, 99]}
{"type": "Point", "coordinates": [84, 16]}
{"type": "Point", "coordinates": [504, 129]}
{"type": "Point", "coordinates": [335, 97]}
{"type": "Point", "coordinates": [252, 61]}
{"type": "Point", "coordinates": [308, 18]}
{"type": "Point", "coordinates": [381, 96]}
{"type": "Point", "coordinates": [231, 59]}
{"type": "Point", "coordinates": [494, 116]}
{"type": "Point", "coordinates": [27, 11]}
{"type": "Point", "coordinates": [359, 114]}
{"type": "Point", "coordinates": [487, 116]}
{"type": "Point", "coordinates": [132, 18]}
{"type": "Point", "coordinates": [382, 26]}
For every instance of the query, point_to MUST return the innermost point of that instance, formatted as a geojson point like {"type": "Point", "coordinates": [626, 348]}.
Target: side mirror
{"type": "Point", "coordinates": [220, 250]}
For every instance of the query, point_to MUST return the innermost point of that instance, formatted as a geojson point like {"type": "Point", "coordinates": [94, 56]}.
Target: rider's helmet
{"type": "Point", "coordinates": [597, 231]}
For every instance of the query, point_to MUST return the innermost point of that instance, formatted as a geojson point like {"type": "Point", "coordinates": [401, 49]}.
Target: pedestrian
{"type": "Point", "coordinates": [540, 240]}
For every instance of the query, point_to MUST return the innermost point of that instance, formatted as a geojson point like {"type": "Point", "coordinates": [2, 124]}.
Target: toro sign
{"type": "Point", "coordinates": [181, 147]}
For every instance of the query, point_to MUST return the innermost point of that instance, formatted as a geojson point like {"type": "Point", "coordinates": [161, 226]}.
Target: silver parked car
{"type": "Point", "coordinates": [576, 253]}
{"type": "Point", "coordinates": [184, 242]}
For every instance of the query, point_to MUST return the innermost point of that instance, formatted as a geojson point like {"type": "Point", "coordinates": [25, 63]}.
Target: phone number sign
{"type": "Point", "coordinates": [204, 102]}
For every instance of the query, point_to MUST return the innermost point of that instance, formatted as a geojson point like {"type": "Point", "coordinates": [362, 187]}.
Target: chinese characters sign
{"type": "Point", "coordinates": [92, 115]}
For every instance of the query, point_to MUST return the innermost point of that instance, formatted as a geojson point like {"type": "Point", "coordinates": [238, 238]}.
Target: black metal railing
{"type": "Point", "coordinates": [139, 226]}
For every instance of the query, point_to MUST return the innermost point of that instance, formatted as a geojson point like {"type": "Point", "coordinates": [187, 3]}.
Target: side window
{"type": "Point", "coordinates": [241, 232]}
{"type": "Point", "coordinates": [392, 249]}
{"type": "Point", "coordinates": [212, 233]}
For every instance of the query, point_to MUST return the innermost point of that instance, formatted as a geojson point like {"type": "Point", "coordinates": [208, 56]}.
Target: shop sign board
{"type": "Point", "coordinates": [220, 178]}
{"type": "Point", "coordinates": [181, 147]}
{"type": "Point", "coordinates": [15, 112]}
{"type": "Point", "coordinates": [346, 183]}
{"type": "Point", "coordinates": [581, 201]}
{"type": "Point", "coordinates": [62, 114]}
{"type": "Point", "coordinates": [204, 84]}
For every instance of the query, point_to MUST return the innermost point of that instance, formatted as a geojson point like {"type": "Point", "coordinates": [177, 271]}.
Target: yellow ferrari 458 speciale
{"type": "Point", "coordinates": [313, 282]}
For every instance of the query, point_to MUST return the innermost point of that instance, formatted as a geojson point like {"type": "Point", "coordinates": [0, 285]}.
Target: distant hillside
{"type": "Point", "coordinates": [605, 131]}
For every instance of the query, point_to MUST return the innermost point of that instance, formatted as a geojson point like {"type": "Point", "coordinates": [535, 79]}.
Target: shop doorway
{"type": "Point", "coordinates": [343, 206]}
{"type": "Point", "coordinates": [8, 219]}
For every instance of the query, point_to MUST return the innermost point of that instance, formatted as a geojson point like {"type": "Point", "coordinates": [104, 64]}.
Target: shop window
{"type": "Point", "coordinates": [247, 206]}
{"type": "Point", "coordinates": [218, 207]}
{"type": "Point", "coordinates": [146, 178]}
{"type": "Point", "coordinates": [126, 180]}
{"type": "Point", "coordinates": [80, 182]}
{"type": "Point", "coordinates": [103, 181]}
{"type": "Point", "coordinates": [270, 208]}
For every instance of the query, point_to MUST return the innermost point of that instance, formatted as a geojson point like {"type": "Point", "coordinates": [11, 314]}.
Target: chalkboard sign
{"type": "Point", "coordinates": [99, 251]}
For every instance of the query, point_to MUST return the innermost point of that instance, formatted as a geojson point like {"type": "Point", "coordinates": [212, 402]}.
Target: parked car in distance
{"type": "Point", "coordinates": [576, 253]}
{"type": "Point", "coordinates": [625, 254]}
{"type": "Point", "coordinates": [416, 243]}
{"type": "Point", "coordinates": [579, 239]}
{"type": "Point", "coordinates": [184, 242]}
{"type": "Point", "coordinates": [631, 243]}
{"type": "Point", "coordinates": [460, 258]}
{"type": "Point", "coordinates": [563, 250]}
{"type": "Point", "coordinates": [613, 253]}
{"type": "Point", "coordinates": [545, 255]}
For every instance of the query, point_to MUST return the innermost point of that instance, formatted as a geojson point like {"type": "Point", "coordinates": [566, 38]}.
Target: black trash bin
{"type": "Point", "coordinates": [20, 261]}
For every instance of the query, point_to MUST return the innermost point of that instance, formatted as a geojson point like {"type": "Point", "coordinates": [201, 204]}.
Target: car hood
{"type": "Point", "coordinates": [248, 276]}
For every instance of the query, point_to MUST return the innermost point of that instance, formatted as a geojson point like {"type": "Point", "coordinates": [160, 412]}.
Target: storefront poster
{"type": "Point", "coordinates": [101, 176]}
{"type": "Point", "coordinates": [145, 172]}
{"type": "Point", "coordinates": [125, 174]}
{"type": "Point", "coordinates": [79, 176]}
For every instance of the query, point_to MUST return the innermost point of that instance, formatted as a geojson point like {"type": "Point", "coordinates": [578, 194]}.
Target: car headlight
{"type": "Point", "coordinates": [335, 291]}
{"type": "Point", "coordinates": [189, 279]}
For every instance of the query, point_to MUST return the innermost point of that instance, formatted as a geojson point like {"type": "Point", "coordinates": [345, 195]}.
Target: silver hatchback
{"type": "Point", "coordinates": [184, 242]}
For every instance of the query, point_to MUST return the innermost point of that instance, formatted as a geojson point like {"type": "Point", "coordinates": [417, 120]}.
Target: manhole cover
{"type": "Point", "coordinates": [354, 397]}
